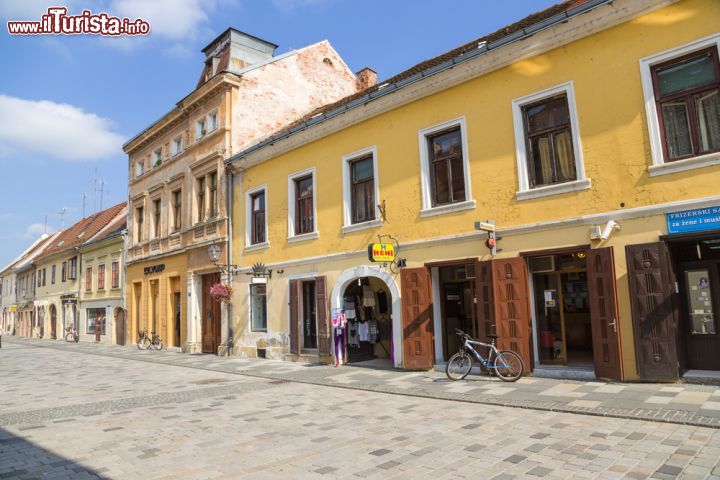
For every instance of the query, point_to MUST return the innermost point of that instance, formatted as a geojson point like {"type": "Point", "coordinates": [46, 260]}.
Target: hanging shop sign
{"type": "Point", "coordinates": [696, 220]}
{"type": "Point", "coordinates": [154, 269]}
{"type": "Point", "coordinates": [381, 252]}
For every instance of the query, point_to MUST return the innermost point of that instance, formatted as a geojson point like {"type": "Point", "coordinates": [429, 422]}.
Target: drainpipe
{"type": "Point", "coordinates": [229, 279]}
{"type": "Point", "coordinates": [124, 276]}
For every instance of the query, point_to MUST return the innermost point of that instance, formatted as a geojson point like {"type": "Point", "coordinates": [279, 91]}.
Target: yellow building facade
{"type": "Point", "coordinates": [569, 139]}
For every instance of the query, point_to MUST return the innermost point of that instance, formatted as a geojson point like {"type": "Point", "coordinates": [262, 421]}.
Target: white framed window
{"type": "Point", "coordinates": [157, 157]}
{"type": "Point", "coordinates": [361, 192]}
{"type": "Point", "coordinates": [302, 206]}
{"type": "Point", "coordinates": [200, 127]}
{"type": "Point", "coordinates": [176, 145]}
{"type": "Point", "coordinates": [139, 167]}
{"type": "Point", "coordinates": [258, 307]}
{"type": "Point", "coordinates": [547, 143]}
{"type": "Point", "coordinates": [681, 92]}
{"type": "Point", "coordinates": [445, 168]}
{"type": "Point", "coordinates": [212, 121]}
{"type": "Point", "coordinates": [256, 219]}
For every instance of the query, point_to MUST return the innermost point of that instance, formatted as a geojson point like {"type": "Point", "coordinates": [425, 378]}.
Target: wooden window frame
{"type": "Point", "coordinates": [304, 205]}
{"type": "Point", "coordinates": [447, 160]}
{"type": "Point", "coordinates": [53, 270]}
{"type": "Point", "coordinates": [429, 208]}
{"type": "Point", "coordinates": [213, 204]}
{"type": "Point", "coordinates": [294, 235]}
{"type": "Point", "coordinates": [157, 217]}
{"type": "Point", "coordinates": [88, 279]}
{"type": "Point", "coordinates": [63, 272]}
{"type": "Point", "coordinates": [581, 182]}
{"type": "Point", "coordinates": [257, 219]}
{"type": "Point", "coordinates": [659, 165]}
{"type": "Point", "coordinates": [177, 210]}
{"type": "Point", "coordinates": [101, 277]}
{"type": "Point", "coordinates": [201, 207]}
{"type": "Point", "coordinates": [139, 220]}
{"type": "Point", "coordinates": [350, 221]}
{"type": "Point", "coordinates": [687, 97]}
{"type": "Point", "coordinates": [368, 185]}
{"type": "Point", "coordinates": [115, 274]}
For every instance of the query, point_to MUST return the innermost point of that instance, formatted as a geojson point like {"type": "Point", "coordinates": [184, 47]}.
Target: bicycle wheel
{"type": "Point", "coordinates": [76, 337]}
{"type": "Point", "coordinates": [158, 345]}
{"type": "Point", "coordinates": [69, 337]}
{"type": "Point", "coordinates": [508, 366]}
{"type": "Point", "coordinates": [143, 343]}
{"type": "Point", "coordinates": [458, 366]}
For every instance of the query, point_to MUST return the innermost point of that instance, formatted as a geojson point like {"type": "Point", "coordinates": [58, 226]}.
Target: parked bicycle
{"type": "Point", "coordinates": [71, 335]}
{"type": "Point", "coordinates": [506, 364]}
{"type": "Point", "coordinates": [145, 342]}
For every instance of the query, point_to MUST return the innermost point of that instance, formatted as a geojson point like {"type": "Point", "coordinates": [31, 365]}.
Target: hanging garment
{"type": "Point", "coordinates": [349, 307]}
{"type": "Point", "coordinates": [352, 335]}
{"type": "Point", "coordinates": [382, 301]}
{"type": "Point", "coordinates": [368, 296]}
{"type": "Point", "coordinates": [373, 333]}
{"type": "Point", "coordinates": [364, 331]}
{"type": "Point", "coordinates": [339, 320]}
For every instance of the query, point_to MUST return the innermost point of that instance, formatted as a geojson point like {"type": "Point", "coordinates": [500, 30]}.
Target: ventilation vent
{"type": "Point", "coordinates": [542, 264]}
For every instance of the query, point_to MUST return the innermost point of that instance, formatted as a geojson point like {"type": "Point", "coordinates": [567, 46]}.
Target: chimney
{"type": "Point", "coordinates": [233, 51]}
{"type": "Point", "coordinates": [365, 78]}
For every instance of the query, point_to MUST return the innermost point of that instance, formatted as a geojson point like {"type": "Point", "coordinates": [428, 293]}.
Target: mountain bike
{"type": "Point", "coordinates": [506, 364]}
{"type": "Point", "coordinates": [71, 335]}
{"type": "Point", "coordinates": [144, 342]}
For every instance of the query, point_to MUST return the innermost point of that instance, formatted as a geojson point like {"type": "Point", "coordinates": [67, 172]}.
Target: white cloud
{"type": "Point", "coordinates": [34, 230]}
{"type": "Point", "coordinates": [171, 19]}
{"type": "Point", "coordinates": [55, 129]}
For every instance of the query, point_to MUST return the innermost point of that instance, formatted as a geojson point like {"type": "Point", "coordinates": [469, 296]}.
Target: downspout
{"type": "Point", "coordinates": [124, 290]}
{"type": "Point", "coordinates": [228, 208]}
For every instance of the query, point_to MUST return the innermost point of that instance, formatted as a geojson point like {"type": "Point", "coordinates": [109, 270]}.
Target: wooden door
{"type": "Point", "coordinates": [700, 289]}
{"type": "Point", "coordinates": [98, 327]}
{"type": "Point", "coordinates": [323, 322]}
{"type": "Point", "coordinates": [294, 346]}
{"type": "Point", "coordinates": [485, 311]}
{"type": "Point", "coordinates": [512, 308]}
{"type": "Point", "coordinates": [417, 318]}
{"type": "Point", "coordinates": [210, 315]}
{"type": "Point", "coordinates": [604, 319]}
{"type": "Point", "coordinates": [654, 311]}
{"type": "Point", "coordinates": [120, 327]}
{"type": "Point", "coordinates": [53, 322]}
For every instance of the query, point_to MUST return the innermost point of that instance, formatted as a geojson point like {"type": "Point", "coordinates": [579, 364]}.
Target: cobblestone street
{"type": "Point", "coordinates": [110, 412]}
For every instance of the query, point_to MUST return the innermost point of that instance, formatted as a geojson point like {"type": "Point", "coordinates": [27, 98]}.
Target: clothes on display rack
{"type": "Point", "coordinates": [368, 296]}
{"type": "Point", "coordinates": [349, 308]}
{"type": "Point", "coordinates": [353, 339]}
{"type": "Point", "coordinates": [364, 331]}
{"type": "Point", "coordinates": [373, 332]}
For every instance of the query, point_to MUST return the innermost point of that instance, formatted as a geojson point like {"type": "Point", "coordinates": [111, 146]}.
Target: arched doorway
{"type": "Point", "coordinates": [53, 322]}
{"type": "Point", "coordinates": [351, 276]}
{"type": "Point", "coordinates": [120, 328]}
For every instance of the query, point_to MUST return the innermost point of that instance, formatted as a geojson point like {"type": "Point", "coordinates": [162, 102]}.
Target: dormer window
{"type": "Point", "coordinates": [200, 128]}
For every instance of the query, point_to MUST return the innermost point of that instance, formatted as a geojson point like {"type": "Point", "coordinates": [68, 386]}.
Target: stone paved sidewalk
{"type": "Point", "coordinates": [686, 404]}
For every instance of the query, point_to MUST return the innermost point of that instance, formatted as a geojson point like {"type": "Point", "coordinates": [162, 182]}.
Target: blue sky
{"type": "Point", "coordinates": [68, 103]}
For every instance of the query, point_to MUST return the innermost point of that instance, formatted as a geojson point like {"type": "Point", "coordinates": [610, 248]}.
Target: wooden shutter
{"type": "Point", "coordinates": [323, 324]}
{"type": "Point", "coordinates": [654, 311]}
{"type": "Point", "coordinates": [417, 318]}
{"type": "Point", "coordinates": [604, 320]}
{"type": "Point", "coordinates": [512, 310]}
{"type": "Point", "coordinates": [295, 317]}
{"type": "Point", "coordinates": [484, 294]}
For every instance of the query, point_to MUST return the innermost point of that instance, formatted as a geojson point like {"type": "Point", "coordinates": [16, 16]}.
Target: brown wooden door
{"type": "Point", "coordinates": [700, 300]}
{"type": "Point", "coordinates": [98, 327]}
{"type": "Point", "coordinates": [485, 311]}
{"type": "Point", "coordinates": [654, 311]}
{"type": "Point", "coordinates": [604, 320]}
{"type": "Point", "coordinates": [120, 327]}
{"type": "Point", "coordinates": [417, 318]}
{"type": "Point", "coordinates": [323, 322]}
{"type": "Point", "coordinates": [210, 315]}
{"type": "Point", "coordinates": [294, 346]}
{"type": "Point", "coordinates": [53, 322]}
{"type": "Point", "coordinates": [512, 309]}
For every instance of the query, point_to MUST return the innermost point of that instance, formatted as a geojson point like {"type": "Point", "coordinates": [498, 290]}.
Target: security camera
{"type": "Point", "coordinates": [609, 228]}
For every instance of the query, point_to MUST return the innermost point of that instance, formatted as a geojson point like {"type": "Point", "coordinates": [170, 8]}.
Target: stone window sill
{"type": "Point", "coordinates": [566, 187]}
{"type": "Point", "coordinates": [683, 165]}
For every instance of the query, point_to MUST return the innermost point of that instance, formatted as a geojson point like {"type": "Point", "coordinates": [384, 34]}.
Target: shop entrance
{"type": "Point", "coordinates": [368, 309]}
{"type": "Point", "coordinates": [457, 304]}
{"type": "Point", "coordinates": [53, 322]}
{"type": "Point", "coordinates": [698, 275]}
{"type": "Point", "coordinates": [562, 309]}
